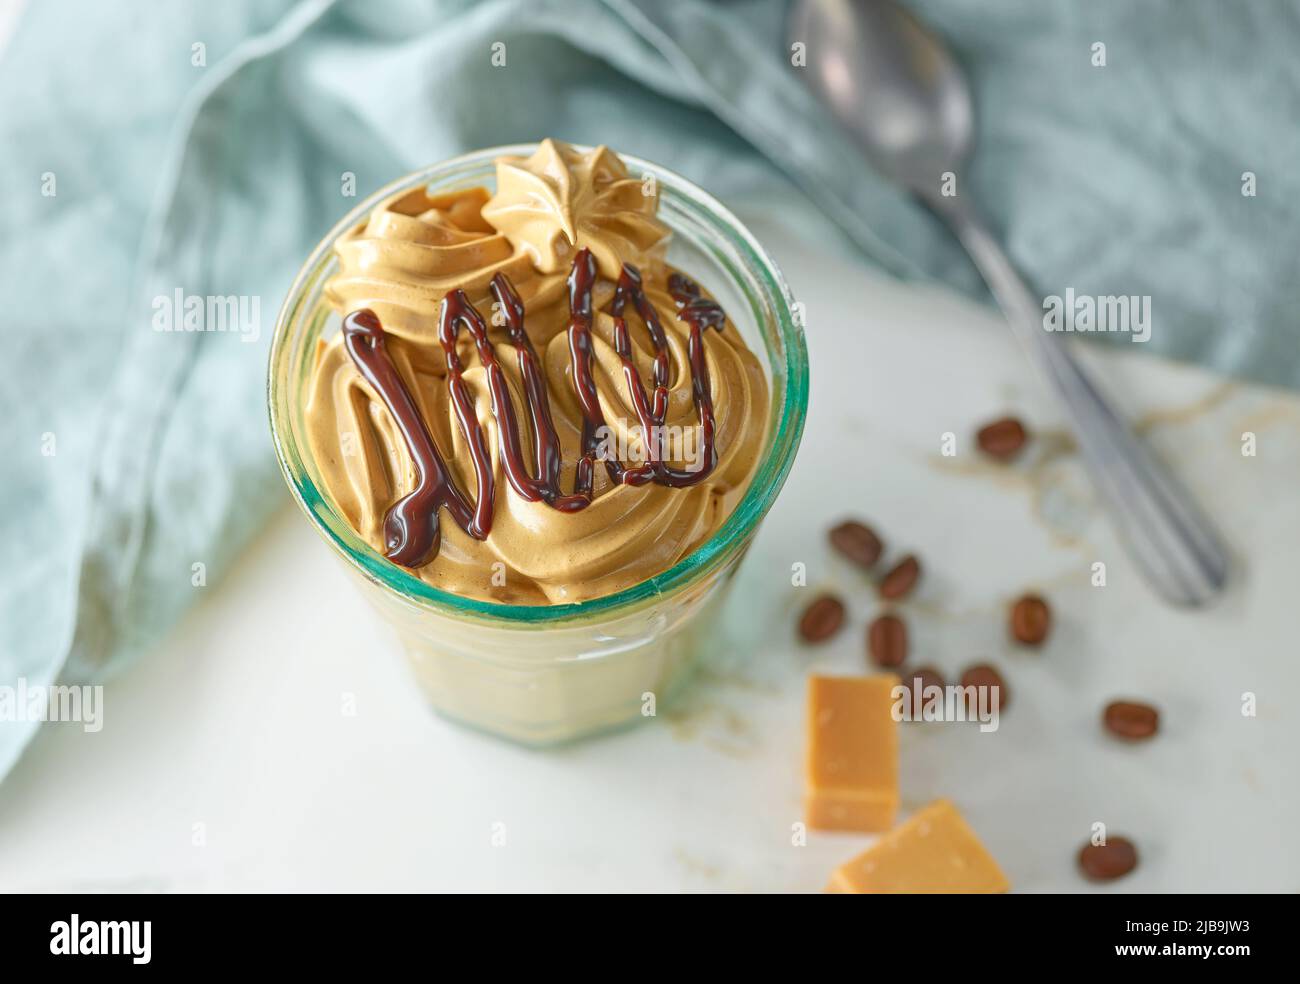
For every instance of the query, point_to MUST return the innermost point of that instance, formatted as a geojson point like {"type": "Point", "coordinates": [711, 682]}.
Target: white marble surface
{"type": "Point", "coordinates": [235, 723]}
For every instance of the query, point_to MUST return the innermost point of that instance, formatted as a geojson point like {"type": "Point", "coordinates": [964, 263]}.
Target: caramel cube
{"type": "Point", "coordinates": [852, 756]}
{"type": "Point", "coordinates": [933, 853]}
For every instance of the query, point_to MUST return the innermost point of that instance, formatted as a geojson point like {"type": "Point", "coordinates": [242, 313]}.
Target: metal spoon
{"type": "Point", "coordinates": [897, 90]}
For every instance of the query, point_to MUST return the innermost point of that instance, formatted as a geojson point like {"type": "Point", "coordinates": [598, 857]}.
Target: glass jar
{"type": "Point", "coordinates": [542, 674]}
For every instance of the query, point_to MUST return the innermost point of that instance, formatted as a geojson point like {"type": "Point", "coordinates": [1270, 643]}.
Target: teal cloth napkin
{"type": "Point", "coordinates": [151, 148]}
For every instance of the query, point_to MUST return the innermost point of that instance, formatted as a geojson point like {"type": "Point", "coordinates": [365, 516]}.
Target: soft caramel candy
{"type": "Point", "coordinates": [852, 762]}
{"type": "Point", "coordinates": [934, 852]}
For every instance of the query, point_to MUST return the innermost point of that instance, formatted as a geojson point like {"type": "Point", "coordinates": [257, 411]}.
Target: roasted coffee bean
{"type": "Point", "coordinates": [857, 542]}
{"type": "Point", "coordinates": [919, 681]}
{"type": "Point", "coordinates": [821, 619]}
{"type": "Point", "coordinates": [901, 579]}
{"type": "Point", "coordinates": [1002, 439]}
{"type": "Point", "coordinates": [1104, 862]}
{"type": "Point", "coordinates": [887, 641]}
{"type": "Point", "coordinates": [1031, 620]}
{"type": "Point", "coordinates": [928, 676]}
{"type": "Point", "coordinates": [983, 675]}
{"type": "Point", "coordinates": [1131, 720]}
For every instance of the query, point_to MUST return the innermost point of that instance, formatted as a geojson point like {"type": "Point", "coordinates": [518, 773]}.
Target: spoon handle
{"type": "Point", "coordinates": [1168, 536]}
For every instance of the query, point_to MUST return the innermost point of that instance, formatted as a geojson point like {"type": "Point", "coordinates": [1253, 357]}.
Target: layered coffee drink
{"type": "Point", "coordinates": [526, 403]}
{"type": "Point", "coordinates": [539, 399]}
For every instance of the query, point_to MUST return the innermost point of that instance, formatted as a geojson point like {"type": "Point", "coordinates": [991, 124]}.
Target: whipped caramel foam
{"type": "Point", "coordinates": [553, 212]}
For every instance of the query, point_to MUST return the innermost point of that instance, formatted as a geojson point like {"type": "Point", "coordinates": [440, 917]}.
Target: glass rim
{"type": "Point", "coordinates": [763, 488]}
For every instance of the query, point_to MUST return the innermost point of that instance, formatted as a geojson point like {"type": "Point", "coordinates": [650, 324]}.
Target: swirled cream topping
{"type": "Point", "coordinates": [559, 199]}
{"type": "Point", "coordinates": [554, 214]}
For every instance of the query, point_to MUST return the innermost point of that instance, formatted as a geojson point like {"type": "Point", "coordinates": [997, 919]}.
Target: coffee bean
{"type": "Point", "coordinates": [1031, 620]}
{"type": "Point", "coordinates": [919, 682]}
{"type": "Point", "coordinates": [887, 641]}
{"type": "Point", "coordinates": [928, 676]}
{"type": "Point", "coordinates": [821, 619]}
{"type": "Point", "coordinates": [901, 579]}
{"type": "Point", "coordinates": [857, 542]}
{"type": "Point", "coordinates": [1131, 720]}
{"type": "Point", "coordinates": [983, 675]}
{"type": "Point", "coordinates": [1104, 862]}
{"type": "Point", "coordinates": [1002, 439]}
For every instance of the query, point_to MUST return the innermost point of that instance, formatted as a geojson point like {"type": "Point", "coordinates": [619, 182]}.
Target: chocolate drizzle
{"type": "Point", "coordinates": [411, 527]}
{"type": "Point", "coordinates": [411, 531]}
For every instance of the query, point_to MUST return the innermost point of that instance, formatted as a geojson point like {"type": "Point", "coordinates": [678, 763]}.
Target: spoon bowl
{"type": "Point", "coordinates": [891, 85]}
